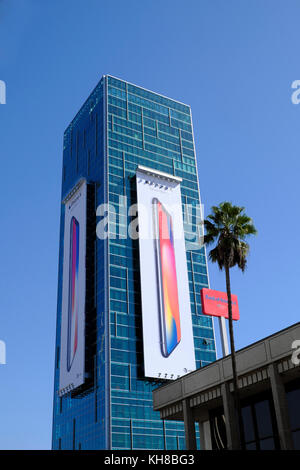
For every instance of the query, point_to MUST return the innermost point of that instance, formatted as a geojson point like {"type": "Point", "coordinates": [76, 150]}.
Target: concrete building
{"type": "Point", "coordinates": [269, 383]}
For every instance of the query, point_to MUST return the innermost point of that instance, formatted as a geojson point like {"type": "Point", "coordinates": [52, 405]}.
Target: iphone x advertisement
{"type": "Point", "coordinates": [73, 293]}
{"type": "Point", "coordinates": [72, 345]}
{"type": "Point", "coordinates": [169, 316]}
{"type": "Point", "coordinates": [167, 324]}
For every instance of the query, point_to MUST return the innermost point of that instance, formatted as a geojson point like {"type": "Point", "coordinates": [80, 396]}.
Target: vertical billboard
{"type": "Point", "coordinates": [166, 314]}
{"type": "Point", "coordinates": [72, 346]}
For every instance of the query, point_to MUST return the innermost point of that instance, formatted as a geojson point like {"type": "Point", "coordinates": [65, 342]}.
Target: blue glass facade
{"type": "Point", "coordinates": [119, 127]}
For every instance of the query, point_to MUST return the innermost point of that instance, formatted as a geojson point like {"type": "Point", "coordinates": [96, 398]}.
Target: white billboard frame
{"type": "Point", "coordinates": [72, 344]}
{"type": "Point", "coordinates": [158, 191]}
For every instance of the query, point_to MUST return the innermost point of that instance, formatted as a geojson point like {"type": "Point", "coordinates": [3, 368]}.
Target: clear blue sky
{"type": "Point", "coordinates": [233, 61]}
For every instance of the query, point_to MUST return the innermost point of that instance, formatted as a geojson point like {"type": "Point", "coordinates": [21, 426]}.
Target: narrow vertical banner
{"type": "Point", "coordinates": [166, 314]}
{"type": "Point", "coordinates": [72, 346]}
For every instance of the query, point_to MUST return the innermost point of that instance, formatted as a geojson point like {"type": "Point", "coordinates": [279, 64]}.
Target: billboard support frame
{"type": "Point", "coordinates": [224, 336]}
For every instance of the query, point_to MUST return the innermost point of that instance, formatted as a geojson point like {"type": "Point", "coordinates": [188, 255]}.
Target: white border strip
{"type": "Point", "coordinates": [158, 174]}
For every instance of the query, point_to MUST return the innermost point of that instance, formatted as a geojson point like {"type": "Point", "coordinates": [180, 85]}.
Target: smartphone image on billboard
{"type": "Point", "coordinates": [73, 293]}
{"type": "Point", "coordinates": [169, 315]}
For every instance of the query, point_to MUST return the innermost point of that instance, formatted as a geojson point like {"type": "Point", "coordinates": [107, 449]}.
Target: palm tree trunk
{"type": "Point", "coordinates": [233, 358]}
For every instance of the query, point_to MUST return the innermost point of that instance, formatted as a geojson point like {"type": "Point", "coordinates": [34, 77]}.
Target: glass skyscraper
{"type": "Point", "coordinates": [119, 127]}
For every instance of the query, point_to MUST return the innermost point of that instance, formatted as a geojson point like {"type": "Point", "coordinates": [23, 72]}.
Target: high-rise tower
{"type": "Point", "coordinates": [102, 397]}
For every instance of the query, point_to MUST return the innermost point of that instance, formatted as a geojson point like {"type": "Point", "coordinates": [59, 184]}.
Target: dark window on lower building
{"type": "Point", "coordinates": [293, 400]}
{"type": "Point", "coordinates": [260, 429]}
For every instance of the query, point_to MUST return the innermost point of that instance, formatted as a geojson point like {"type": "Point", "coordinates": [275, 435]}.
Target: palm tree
{"type": "Point", "coordinates": [228, 226]}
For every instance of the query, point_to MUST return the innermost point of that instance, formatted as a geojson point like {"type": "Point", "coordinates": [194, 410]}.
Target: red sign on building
{"type": "Point", "coordinates": [215, 303]}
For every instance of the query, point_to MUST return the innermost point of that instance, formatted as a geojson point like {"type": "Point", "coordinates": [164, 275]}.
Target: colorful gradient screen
{"type": "Point", "coordinates": [73, 292]}
{"type": "Point", "coordinates": [169, 286]}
